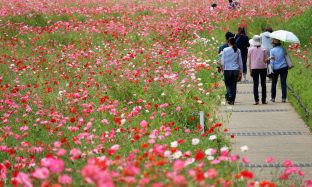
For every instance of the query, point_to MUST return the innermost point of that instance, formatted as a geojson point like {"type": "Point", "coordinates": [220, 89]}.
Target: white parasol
{"type": "Point", "coordinates": [285, 36]}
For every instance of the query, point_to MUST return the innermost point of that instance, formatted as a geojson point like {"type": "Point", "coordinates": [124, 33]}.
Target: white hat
{"type": "Point", "coordinates": [255, 41]}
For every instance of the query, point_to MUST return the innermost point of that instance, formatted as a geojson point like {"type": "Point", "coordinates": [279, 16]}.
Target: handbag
{"type": "Point", "coordinates": [270, 71]}
{"type": "Point", "coordinates": [288, 61]}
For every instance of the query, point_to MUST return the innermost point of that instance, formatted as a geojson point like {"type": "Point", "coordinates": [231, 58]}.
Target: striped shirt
{"type": "Point", "coordinates": [231, 60]}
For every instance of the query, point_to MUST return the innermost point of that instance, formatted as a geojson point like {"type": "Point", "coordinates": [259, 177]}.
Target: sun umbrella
{"type": "Point", "coordinates": [285, 36]}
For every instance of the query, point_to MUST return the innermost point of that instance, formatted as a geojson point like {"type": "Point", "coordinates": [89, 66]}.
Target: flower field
{"type": "Point", "coordinates": [107, 93]}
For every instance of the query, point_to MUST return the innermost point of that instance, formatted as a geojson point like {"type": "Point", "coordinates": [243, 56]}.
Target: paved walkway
{"type": "Point", "coordinates": [274, 129]}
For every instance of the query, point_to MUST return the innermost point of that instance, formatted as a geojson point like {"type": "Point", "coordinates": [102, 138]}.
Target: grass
{"type": "Point", "coordinates": [298, 76]}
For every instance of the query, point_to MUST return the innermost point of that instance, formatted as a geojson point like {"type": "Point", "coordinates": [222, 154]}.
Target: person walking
{"type": "Point", "coordinates": [232, 66]}
{"type": "Point", "coordinates": [280, 69]}
{"type": "Point", "coordinates": [257, 67]}
{"type": "Point", "coordinates": [242, 42]}
{"type": "Point", "coordinates": [220, 49]}
{"type": "Point", "coordinates": [226, 44]}
{"type": "Point", "coordinates": [266, 41]}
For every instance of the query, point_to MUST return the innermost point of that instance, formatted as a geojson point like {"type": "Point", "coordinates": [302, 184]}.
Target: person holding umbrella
{"type": "Point", "coordinates": [280, 69]}
{"type": "Point", "coordinates": [278, 60]}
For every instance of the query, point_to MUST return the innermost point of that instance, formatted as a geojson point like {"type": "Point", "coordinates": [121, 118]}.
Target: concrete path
{"type": "Point", "coordinates": [274, 129]}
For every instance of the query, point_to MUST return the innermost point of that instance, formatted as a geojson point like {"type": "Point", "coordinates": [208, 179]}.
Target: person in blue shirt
{"type": "Point", "coordinates": [220, 49]}
{"type": "Point", "coordinates": [280, 69]}
{"type": "Point", "coordinates": [232, 66]}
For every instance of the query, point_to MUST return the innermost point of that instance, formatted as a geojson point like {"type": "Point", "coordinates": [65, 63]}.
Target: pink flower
{"type": "Point", "coordinates": [234, 157]}
{"type": "Point", "coordinates": [164, 105]}
{"type": "Point", "coordinates": [287, 163]}
{"type": "Point", "coordinates": [187, 131]}
{"type": "Point", "coordinates": [61, 152]}
{"type": "Point", "coordinates": [143, 124]}
{"type": "Point", "coordinates": [54, 165]}
{"type": "Point", "coordinates": [211, 173]}
{"type": "Point", "coordinates": [65, 179]}
{"type": "Point", "coordinates": [291, 170]}
{"type": "Point", "coordinates": [24, 128]}
{"type": "Point", "coordinates": [3, 172]}
{"type": "Point", "coordinates": [269, 159]}
{"type": "Point", "coordinates": [301, 173]}
{"type": "Point", "coordinates": [75, 154]}
{"type": "Point", "coordinates": [178, 108]}
{"type": "Point", "coordinates": [245, 160]}
{"type": "Point", "coordinates": [23, 179]}
{"type": "Point", "coordinates": [131, 170]}
{"type": "Point", "coordinates": [41, 173]}
{"type": "Point", "coordinates": [94, 175]}
{"type": "Point", "coordinates": [57, 144]}
{"type": "Point", "coordinates": [308, 183]}
{"type": "Point", "coordinates": [179, 180]}
{"type": "Point", "coordinates": [113, 149]}
{"type": "Point", "coordinates": [178, 165]}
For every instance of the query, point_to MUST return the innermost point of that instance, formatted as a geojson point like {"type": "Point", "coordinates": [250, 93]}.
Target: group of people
{"type": "Point", "coordinates": [258, 53]}
{"type": "Point", "coordinates": [233, 4]}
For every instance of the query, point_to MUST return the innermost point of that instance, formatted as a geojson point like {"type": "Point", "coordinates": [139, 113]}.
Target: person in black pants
{"type": "Point", "coordinates": [232, 66]}
{"type": "Point", "coordinates": [257, 59]}
{"type": "Point", "coordinates": [280, 68]}
{"type": "Point", "coordinates": [242, 42]}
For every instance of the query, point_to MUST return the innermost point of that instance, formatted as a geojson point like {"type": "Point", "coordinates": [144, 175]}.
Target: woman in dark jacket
{"type": "Point", "coordinates": [242, 42]}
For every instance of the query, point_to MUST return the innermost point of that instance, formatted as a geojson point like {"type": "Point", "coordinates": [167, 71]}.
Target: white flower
{"type": "Point", "coordinates": [60, 93]}
{"type": "Point", "coordinates": [244, 148]}
{"type": "Point", "coordinates": [224, 148]}
{"type": "Point", "coordinates": [210, 157]}
{"type": "Point", "coordinates": [212, 137]}
{"type": "Point", "coordinates": [195, 141]}
{"type": "Point", "coordinates": [208, 151]}
{"type": "Point", "coordinates": [163, 94]}
{"type": "Point", "coordinates": [174, 144]}
{"type": "Point", "coordinates": [177, 155]}
{"type": "Point", "coordinates": [199, 101]}
{"type": "Point", "coordinates": [123, 121]}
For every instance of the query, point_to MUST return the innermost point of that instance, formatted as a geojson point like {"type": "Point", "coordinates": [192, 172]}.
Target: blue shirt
{"type": "Point", "coordinates": [231, 60]}
{"type": "Point", "coordinates": [279, 54]}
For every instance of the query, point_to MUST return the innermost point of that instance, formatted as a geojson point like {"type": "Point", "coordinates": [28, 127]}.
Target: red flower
{"type": "Point", "coordinates": [72, 120]}
{"type": "Point", "coordinates": [144, 145]}
{"type": "Point", "coordinates": [247, 174]}
{"type": "Point", "coordinates": [199, 155]}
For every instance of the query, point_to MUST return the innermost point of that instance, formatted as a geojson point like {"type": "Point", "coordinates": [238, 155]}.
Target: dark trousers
{"type": "Point", "coordinates": [244, 60]}
{"type": "Point", "coordinates": [283, 74]}
{"type": "Point", "coordinates": [256, 73]}
{"type": "Point", "coordinates": [230, 79]}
